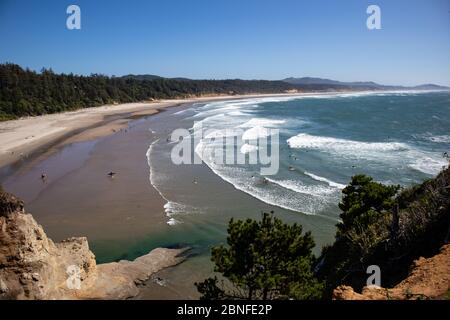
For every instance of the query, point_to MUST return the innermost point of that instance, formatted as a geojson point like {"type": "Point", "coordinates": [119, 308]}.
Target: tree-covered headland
{"type": "Point", "coordinates": [379, 225]}
{"type": "Point", "coordinates": [30, 93]}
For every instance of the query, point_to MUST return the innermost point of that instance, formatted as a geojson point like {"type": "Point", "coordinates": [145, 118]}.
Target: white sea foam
{"type": "Point", "coordinates": [237, 107]}
{"type": "Point", "coordinates": [236, 113]}
{"type": "Point", "coordinates": [173, 222]}
{"type": "Point", "coordinates": [440, 139]}
{"type": "Point", "coordinates": [171, 208]}
{"type": "Point", "coordinates": [304, 202]}
{"type": "Point", "coordinates": [322, 179]}
{"type": "Point", "coordinates": [217, 118]}
{"type": "Point", "coordinates": [428, 136]}
{"type": "Point", "coordinates": [182, 111]}
{"type": "Point", "coordinates": [292, 194]}
{"type": "Point", "coordinates": [393, 153]}
{"type": "Point", "coordinates": [256, 133]}
{"type": "Point", "coordinates": [428, 165]}
{"type": "Point", "coordinates": [307, 141]}
{"type": "Point", "coordinates": [262, 122]}
{"type": "Point", "coordinates": [286, 194]}
{"type": "Point", "coordinates": [308, 200]}
{"type": "Point", "coordinates": [401, 93]}
{"type": "Point", "coordinates": [299, 187]}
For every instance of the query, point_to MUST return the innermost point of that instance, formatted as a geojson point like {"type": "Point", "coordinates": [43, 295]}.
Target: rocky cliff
{"type": "Point", "coordinates": [428, 279]}
{"type": "Point", "coordinates": [32, 266]}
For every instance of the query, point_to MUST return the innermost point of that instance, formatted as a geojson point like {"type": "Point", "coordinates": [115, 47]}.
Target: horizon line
{"type": "Point", "coordinates": [219, 79]}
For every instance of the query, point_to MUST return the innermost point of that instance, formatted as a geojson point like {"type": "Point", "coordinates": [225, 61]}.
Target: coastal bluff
{"type": "Point", "coordinates": [429, 278]}
{"type": "Point", "coordinates": [33, 267]}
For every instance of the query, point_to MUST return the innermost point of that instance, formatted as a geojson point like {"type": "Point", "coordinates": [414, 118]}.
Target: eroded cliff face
{"type": "Point", "coordinates": [428, 279]}
{"type": "Point", "coordinates": [32, 266]}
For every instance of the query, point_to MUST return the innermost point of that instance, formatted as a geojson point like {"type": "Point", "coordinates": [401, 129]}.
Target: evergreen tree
{"type": "Point", "coordinates": [27, 93]}
{"type": "Point", "coordinates": [264, 259]}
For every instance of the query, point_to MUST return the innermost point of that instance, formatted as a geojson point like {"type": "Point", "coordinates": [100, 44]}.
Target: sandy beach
{"type": "Point", "coordinates": [21, 138]}
{"type": "Point", "coordinates": [124, 217]}
{"type": "Point", "coordinates": [151, 203]}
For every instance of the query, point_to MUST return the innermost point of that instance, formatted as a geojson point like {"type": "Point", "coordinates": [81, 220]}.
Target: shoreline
{"type": "Point", "coordinates": [27, 137]}
{"type": "Point", "coordinates": [131, 212]}
{"type": "Point", "coordinates": [35, 268]}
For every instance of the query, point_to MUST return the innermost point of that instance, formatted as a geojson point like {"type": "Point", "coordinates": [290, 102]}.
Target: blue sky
{"type": "Point", "coordinates": [249, 39]}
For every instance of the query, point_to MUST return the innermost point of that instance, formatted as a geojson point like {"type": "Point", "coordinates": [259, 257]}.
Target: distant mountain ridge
{"type": "Point", "coordinates": [311, 81]}
{"type": "Point", "coordinates": [430, 86]}
{"type": "Point", "coordinates": [314, 83]}
{"type": "Point", "coordinates": [24, 92]}
{"type": "Point", "coordinates": [141, 77]}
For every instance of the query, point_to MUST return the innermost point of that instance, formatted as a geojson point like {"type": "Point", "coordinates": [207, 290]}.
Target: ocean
{"type": "Point", "coordinates": [395, 137]}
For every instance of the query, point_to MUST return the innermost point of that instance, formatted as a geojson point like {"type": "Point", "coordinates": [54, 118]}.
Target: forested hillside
{"type": "Point", "coordinates": [28, 93]}
{"type": "Point", "coordinates": [388, 227]}
{"type": "Point", "coordinates": [381, 225]}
